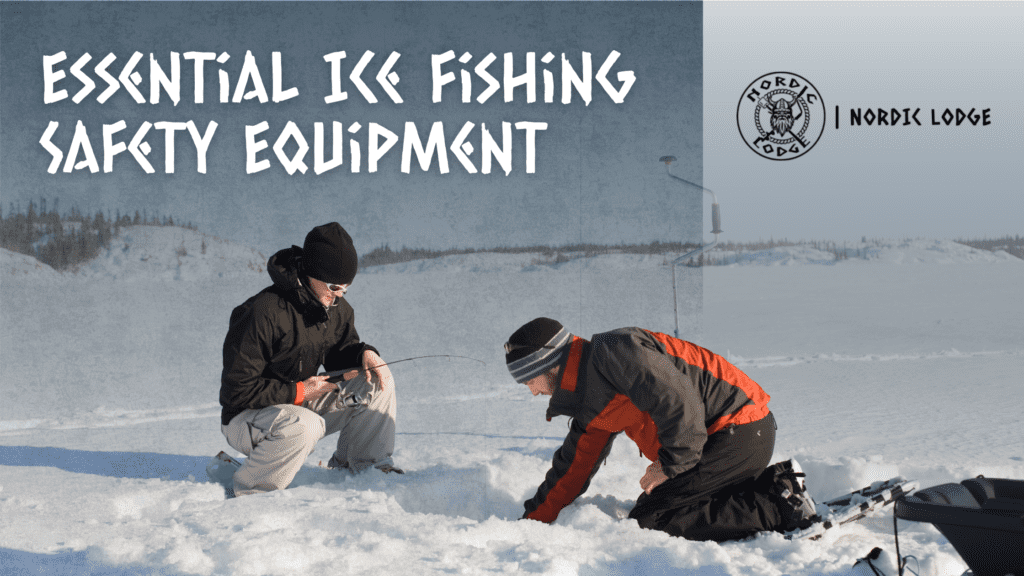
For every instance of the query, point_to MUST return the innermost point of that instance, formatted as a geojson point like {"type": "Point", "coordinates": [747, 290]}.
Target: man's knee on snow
{"type": "Point", "coordinates": [304, 425]}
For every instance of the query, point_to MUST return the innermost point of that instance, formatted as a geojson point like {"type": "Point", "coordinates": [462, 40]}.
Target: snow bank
{"type": "Point", "coordinates": [933, 252]}
{"type": "Point", "coordinates": [119, 513]}
{"type": "Point", "coordinates": [13, 264]}
{"type": "Point", "coordinates": [172, 253]}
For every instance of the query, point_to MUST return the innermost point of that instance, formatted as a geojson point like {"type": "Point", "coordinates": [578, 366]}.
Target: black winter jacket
{"type": "Point", "coordinates": [280, 337]}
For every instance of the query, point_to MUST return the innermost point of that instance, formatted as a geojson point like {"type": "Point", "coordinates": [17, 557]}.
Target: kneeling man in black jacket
{"type": "Point", "coordinates": [275, 407]}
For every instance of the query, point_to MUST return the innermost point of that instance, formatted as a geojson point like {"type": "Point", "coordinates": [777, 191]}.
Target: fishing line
{"type": "Point", "coordinates": [337, 373]}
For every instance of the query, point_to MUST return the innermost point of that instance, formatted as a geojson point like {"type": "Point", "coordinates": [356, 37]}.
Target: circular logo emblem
{"type": "Point", "coordinates": [781, 116]}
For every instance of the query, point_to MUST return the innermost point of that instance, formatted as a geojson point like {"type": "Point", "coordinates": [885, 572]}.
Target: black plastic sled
{"type": "Point", "coordinates": [983, 518]}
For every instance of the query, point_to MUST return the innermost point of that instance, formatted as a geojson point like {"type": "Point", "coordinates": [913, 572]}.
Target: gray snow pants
{"type": "Point", "coordinates": [277, 439]}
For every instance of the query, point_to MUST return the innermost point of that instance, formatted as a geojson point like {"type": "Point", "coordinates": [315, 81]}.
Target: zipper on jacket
{"type": "Point", "coordinates": [325, 317]}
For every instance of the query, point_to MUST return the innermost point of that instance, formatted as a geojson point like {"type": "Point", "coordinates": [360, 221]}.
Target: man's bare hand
{"type": "Point", "coordinates": [317, 386]}
{"type": "Point", "coordinates": [653, 477]}
{"type": "Point", "coordinates": [373, 364]}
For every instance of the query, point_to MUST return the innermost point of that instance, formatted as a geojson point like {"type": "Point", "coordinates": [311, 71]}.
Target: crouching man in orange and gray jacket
{"type": "Point", "coordinates": [702, 422]}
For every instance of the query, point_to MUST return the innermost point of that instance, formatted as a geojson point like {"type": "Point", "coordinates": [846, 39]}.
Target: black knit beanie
{"type": "Point", "coordinates": [535, 348]}
{"type": "Point", "coordinates": [329, 256]}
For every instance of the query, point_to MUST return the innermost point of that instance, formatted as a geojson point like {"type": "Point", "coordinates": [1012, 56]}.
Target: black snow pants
{"type": "Point", "coordinates": [726, 496]}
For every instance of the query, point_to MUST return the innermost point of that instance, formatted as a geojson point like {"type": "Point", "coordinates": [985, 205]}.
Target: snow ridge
{"type": "Point", "coordinates": [170, 252]}
{"type": "Point", "coordinates": [916, 251]}
{"type": "Point", "coordinates": [774, 361]}
{"type": "Point", "coordinates": [161, 252]}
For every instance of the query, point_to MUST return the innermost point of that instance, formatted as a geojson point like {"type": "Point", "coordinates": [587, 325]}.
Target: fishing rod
{"type": "Point", "coordinates": [339, 373]}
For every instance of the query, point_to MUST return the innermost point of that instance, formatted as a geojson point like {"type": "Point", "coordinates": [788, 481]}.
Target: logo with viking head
{"type": "Point", "coordinates": [781, 116]}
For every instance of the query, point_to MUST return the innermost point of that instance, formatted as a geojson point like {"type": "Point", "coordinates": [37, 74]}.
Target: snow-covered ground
{"type": "Point", "coordinates": [909, 362]}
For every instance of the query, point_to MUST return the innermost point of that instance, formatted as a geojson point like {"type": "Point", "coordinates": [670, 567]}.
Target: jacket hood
{"type": "Point", "coordinates": [283, 268]}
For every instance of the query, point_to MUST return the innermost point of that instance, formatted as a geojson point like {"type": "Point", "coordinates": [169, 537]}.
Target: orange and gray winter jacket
{"type": "Point", "coordinates": [666, 394]}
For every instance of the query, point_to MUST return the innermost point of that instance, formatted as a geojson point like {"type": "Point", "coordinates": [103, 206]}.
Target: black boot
{"type": "Point", "coordinates": [796, 507]}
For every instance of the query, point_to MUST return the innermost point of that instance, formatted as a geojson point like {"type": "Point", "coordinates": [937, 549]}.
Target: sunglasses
{"type": "Point", "coordinates": [337, 288]}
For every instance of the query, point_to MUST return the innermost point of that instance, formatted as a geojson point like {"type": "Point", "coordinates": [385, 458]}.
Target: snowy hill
{"type": "Point", "coordinates": [15, 264]}
{"type": "Point", "coordinates": [153, 252]}
{"type": "Point", "coordinates": [932, 251]}
{"type": "Point", "coordinates": [170, 252]}
{"type": "Point", "coordinates": [901, 363]}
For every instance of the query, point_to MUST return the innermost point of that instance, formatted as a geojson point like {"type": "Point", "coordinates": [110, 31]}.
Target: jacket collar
{"type": "Point", "coordinates": [565, 399]}
{"type": "Point", "coordinates": [283, 268]}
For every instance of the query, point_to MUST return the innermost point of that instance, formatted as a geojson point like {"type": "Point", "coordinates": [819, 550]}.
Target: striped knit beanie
{"type": "Point", "coordinates": [536, 347]}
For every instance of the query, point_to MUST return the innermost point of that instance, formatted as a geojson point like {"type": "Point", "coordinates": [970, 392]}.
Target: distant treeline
{"type": "Point", "coordinates": [559, 254]}
{"type": "Point", "coordinates": [1011, 244]}
{"type": "Point", "coordinates": [847, 250]}
{"type": "Point", "coordinates": [838, 250]}
{"type": "Point", "coordinates": [555, 255]}
{"type": "Point", "coordinates": [63, 241]}
{"type": "Point", "coordinates": [550, 255]}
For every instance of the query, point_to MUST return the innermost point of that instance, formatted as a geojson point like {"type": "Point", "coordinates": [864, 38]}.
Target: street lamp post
{"type": "Point", "coordinates": [716, 229]}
